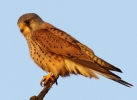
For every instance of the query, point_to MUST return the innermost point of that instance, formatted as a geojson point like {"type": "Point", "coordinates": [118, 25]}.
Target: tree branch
{"type": "Point", "coordinates": [43, 92]}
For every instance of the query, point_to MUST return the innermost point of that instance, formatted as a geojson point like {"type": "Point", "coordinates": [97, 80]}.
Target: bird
{"type": "Point", "coordinates": [60, 54]}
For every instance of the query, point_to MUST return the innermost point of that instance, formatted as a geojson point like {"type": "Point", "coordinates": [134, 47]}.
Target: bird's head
{"type": "Point", "coordinates": [28, 23]}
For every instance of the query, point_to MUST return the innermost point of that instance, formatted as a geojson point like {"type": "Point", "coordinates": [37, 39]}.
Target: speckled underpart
{"type": "Point", "coordinates": [46, 60]}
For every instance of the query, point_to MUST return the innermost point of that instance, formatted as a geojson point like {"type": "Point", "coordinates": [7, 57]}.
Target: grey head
{"type": "Point", "coordinates": [29, 22]}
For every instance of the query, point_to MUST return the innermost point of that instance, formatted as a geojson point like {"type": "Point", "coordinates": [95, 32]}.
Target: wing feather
{"type": "Point", "coordinates": [83, 48]}
{"type": "Point", "coordinates": [52, 43]}
{"type": "Point", "coordinates": [74, 51]}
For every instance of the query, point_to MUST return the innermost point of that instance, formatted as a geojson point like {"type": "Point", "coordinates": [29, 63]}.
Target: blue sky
{"type": "Point", "coordinates": [109, 27]}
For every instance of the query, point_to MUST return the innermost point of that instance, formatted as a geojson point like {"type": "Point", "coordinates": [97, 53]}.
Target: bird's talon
{"type": "Point", "coordinates": [50, 77]}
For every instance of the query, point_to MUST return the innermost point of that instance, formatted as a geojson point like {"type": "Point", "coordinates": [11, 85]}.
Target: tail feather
{"type": "Point", "coordinates": [124, 83]}
{"type": "Point", "coordinates": [104, 71]}
{"type": "Point", "coordinates": [100, 66]}
{"type": "Point", "coordinates": [116, 79]}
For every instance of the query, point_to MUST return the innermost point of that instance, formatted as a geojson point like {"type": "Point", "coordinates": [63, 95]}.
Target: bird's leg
{"type": "Point", "coordinates": [50, 77]}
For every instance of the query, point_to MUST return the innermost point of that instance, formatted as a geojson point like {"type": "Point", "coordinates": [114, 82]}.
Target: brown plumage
{"type": "Point", "coordinates": [60, 54]}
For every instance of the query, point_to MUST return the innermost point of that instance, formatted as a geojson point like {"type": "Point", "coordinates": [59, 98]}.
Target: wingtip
{"type": "Point", "coordinates": [119, 70]}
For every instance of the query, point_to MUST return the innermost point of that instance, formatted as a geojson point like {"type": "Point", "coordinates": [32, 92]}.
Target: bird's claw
{"type": "Point", "coordinates": [48, 78]}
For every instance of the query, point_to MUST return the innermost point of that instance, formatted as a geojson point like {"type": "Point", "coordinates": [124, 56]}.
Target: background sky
{"type": "Point", "coordinates": [109, 27]}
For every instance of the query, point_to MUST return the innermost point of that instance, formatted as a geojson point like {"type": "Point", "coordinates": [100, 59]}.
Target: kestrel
{"type": "Point", "coordinates": [60, 54]}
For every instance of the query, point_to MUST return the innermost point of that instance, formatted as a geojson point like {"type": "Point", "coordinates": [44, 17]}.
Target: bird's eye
{"type": "Point", "coordinates": [27, 22]}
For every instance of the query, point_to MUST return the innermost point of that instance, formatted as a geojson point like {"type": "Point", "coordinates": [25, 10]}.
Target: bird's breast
{"type": "Point", "coordinates": [46, 60]}
{"type": "Point", "coordinates": [38, 55]}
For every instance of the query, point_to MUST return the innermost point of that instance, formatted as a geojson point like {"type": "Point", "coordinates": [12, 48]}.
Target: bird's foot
{"type": "Point", "coordinates": [49, 78]}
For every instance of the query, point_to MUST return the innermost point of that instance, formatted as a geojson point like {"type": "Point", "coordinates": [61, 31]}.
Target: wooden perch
{"type": "Point", "coordinates": [43, 92]}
